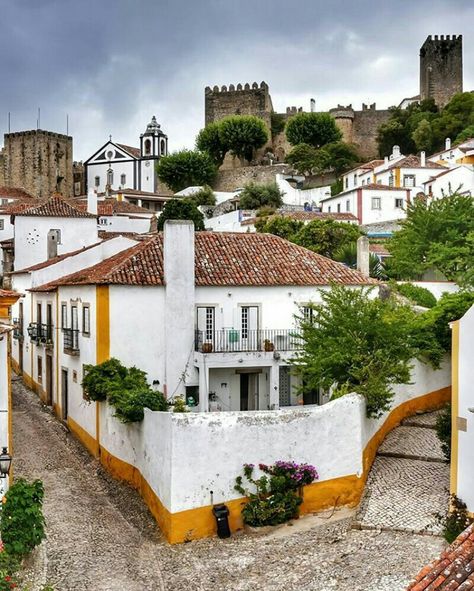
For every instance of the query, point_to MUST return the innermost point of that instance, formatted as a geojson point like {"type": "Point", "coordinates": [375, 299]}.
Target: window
{"type": "Point", "coordinates": [63, 315]}
{"type": "Point", "coordinates": [355, 180]}
{"type": "Point", "coordinates": [409, 180]}
{"type": "Point", "coordinates": [399, 203]}
{"type": "Point", "coordinates": [102, 221]}
{"type": "Point", "coordinates": [363, 182]}
{"type": "Point", "coordinates": [348, 205]}
{"type": "Point", "coordinates": [163, 148]}
{"type": "Point", "coordinates": [86, 319]}
{"type": "Point", "coordinates": [338, 208]}
{"type": "Point", "coordinates": [205, 322]}
{"type": "Point", "coordinates": [308, 314]}
{"type": "Point", "coordinates": [391, 181]}
{"type": "Point", "coordinates": [38, 314]}
{"type": "Point", "coordinates": [56, 236]}
{"type": "Point", "coordinates": [97, 181]}
{"type": "Point", "coordinates": [110, 177]}
{"type": "Point", "coordinates": [2, 224]}
{"type": "Point", "coordinates": [40, 370]}
{"type": "Point", "coordinates": [4, 201]}
{"type": "Point", "coordinates": [346, 183]}
{"type": "Point", "coordinates": [147, 147]}
{"type": "Point", "coordinates": [376, 203]}
{"type": "Point", "coordinates": [123, 179]}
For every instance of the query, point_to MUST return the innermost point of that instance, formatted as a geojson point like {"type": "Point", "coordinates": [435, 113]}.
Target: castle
{"type": "Point", "coordinates": [440, 78]}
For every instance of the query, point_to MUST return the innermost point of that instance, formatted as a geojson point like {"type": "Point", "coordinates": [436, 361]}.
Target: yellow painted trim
{"type": "Point", "coordinates": [397, 177]}
{"type": "Point", "coordinates": [10, 406]}
{"type": "Point", "coordinates": [455, 407]}
{"type": "Point", "coordinates": [56, 395]}
{"type": "Point", "coordinates": [102, 323]}
{"type": "Point", "coordinates": [87, 440]}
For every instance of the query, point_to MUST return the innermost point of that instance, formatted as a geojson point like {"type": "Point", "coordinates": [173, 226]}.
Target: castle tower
{"type": "Point", "coordinates": [39, 161]}
{"type": "Point", "coordinates": [344, 117]}
{"type": "Point", "coordinates": [441, 68]}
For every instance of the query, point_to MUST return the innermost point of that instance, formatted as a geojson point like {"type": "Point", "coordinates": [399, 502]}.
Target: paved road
{"type": "Point", "coordinates": [101, 537]}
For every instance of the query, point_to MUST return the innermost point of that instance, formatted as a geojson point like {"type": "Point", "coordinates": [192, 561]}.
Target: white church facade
{"type": "Point", "coordinates": [116, 166]}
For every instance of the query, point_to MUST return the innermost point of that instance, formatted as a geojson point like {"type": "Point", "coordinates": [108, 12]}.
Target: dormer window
{"type": "Point", "coordinates": [147, 147]}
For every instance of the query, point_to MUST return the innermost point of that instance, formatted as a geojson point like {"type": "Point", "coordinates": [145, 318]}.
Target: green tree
{"type": "Point", "coordinates": [282, 226]}
{"type": "Point", "coordinates": [209, 140]}
{"type": "Point", "coordinates": [356, 343]}
{"type": "Point", "coordinates": [454, 118]}
{"type": "Point", "coordinates": [242, 135]}
{"type": "Point", "coordinates": [314, 129]}
{"type": "Point", "coordinates": [326, 236]}
{"type": "Point", "coordinates": [423, 136]}
{"type": "Point", "coordinates": [347, 254]}
{"type": "Point", "coordinates": [338, 157]}
{"type": "Point", "coordinates": [181, 209]}
{"type": "Point", "coordinates": [257, 195]}
{"type": "Point", "coordinates": [466, 134]}
{"type": "Point", "coordinates": [205, 196]}
{"type": "Point", "coordinates": [186, 168]}
{"type": "Point", "coordinates": [436, 234]}
{"type": "Point", "coordinates": [303, 158]}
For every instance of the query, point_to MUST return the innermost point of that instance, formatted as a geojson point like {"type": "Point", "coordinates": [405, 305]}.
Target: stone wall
{"type": "Point", "coordinates": [232, 179]}
{"type": "Point", "coordinates": [365, 128]}
{"type": "Point", "coordinates": [240, 100]}
{"type": "Point", "coordinates": [39, 161]}
{"type": "Point", "coordinates": [441, 68]}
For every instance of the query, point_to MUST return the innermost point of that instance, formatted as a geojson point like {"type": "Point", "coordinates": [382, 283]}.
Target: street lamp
{"type": "Point", "coordinates": [5, 463]}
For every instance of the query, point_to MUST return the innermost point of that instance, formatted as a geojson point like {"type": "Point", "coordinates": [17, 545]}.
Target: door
{"type": "Point", "coordinates": [64, 394]}
{"type": "Point", "coordinates": [75, 328]}
{"type": "Point", "coordinates": [206, 326]}
{"type": "Point", "coordinates": [285, 391]}
{"type": "Point", "coordinates": [49, 380]}
{"type": "Point", "coordinates": [244, 391]}
{"type": "Point", "coordinates": [249, 391]}
{"type": "Point", "coordinates": [20, 356]}
{"type": "Point", "coordinates": [249, 328]}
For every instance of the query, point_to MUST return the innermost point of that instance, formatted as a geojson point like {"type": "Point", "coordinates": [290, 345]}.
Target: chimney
{"type": "Point", "coordinates": [178, 265]}
{"type": "Point", "coordinates": [363, 255]}
{"type": "Point", "coordinates": [447, 144]}
{"type": "Point", "coordinates": [395, 152]}
{"type": "Point", "coordinates": [92, 202]}
{"type": "Point", "coordinates": [312, 105]}
{"type": "Point", "coordinates": [385, 161]}
{"type": "Point", "coordinates": [423, 159]}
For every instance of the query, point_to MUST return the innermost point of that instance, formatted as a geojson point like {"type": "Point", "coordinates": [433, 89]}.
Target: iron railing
{"type": "Point", "coordinates": [18, 328]}
{"type": "Point", "coordinates": [42, 334]}
{"type": "Point", "coordinates": [71, 341]}
{"type": "Point", "coordinates": [231, 340]}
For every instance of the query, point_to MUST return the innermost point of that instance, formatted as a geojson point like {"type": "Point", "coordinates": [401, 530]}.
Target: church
{"type": "Point", "coordinates": [116, 166]}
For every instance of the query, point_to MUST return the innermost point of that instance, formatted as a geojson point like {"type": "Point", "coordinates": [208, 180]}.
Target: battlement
{"type": "Point", "coordinates": [432, 38]}
{"type": "Point", "coordinates": [293, 110]}
{"type": "Point", "coordinates": [239, 88]}
{"type": "Point", "coordinates": [441, 69]}
{"type": "Point", "coordinates": [342, 112]}
{"type": "Point", "coordinates": [38, 132]}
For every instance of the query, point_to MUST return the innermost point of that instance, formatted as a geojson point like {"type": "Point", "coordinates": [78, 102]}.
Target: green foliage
{"type": "Point", "coordinates": [315, 129]}
{"type": "Point", "coordinates": [274, 499]}
{"type": "Point", "coordinates": [423, 136]}
{"type": "Point", "coordinates": [282, 226]}
{"type": "Point", "coordinates": [326, 236]}
{"type": "Point", "coordinates": [456, 520]}
{"type": "Point", "coordinates": [337, 187]}
{"type": "Point", "coordinates": [126, 389]}
{"type": "Point", "coordinates": [277, 123]}
{"type": "Point", "coordinates": [303, 158]}
{"type": "Point", "coordinates": [347, 254]}
{"type": "Point", "coordinates": [181, 209]}
{"type": "Point", "coordinates": [9, 564]}
{"type": "Point", "coordinates": [8, 582]}
{"type": "Point", "coordinates": [22, 521]}
{"type": "Point", "coordinates": [186, 168]}
{"type": "Point", "coordinates": [179, 405]}
{"type": "Point", "coordinates": [357, 344]}
{"type": "Point", "coordinates": [466, 134]}
{"type": "Point", "coordinates": [255, 196]}
{"type": "Point", "coordinates": [242, 135]}
{"type": "Point", "coordinates": [416, 294]}
{"type": "Point", "coordinates": [436, 234]}
{"type": "Point", "coordinates": [209, 140]}
{"type": "Point", "coordinates": [204, 196]}
{"type": "Point", "coordinates": [443, 430]}
{"type": "Point", "coordinates": [337, 157]}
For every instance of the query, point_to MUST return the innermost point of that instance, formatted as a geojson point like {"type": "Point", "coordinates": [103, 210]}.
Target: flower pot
{"type": "Point", "coordinates": [207, 347]}
{"type": "Point", "coordinates": [268, 346]}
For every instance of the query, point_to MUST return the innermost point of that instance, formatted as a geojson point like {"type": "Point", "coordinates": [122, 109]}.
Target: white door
{"type": "Point", "coordinates": [249, 328]}
{"type": "Point", "coordinates": [205, 324]}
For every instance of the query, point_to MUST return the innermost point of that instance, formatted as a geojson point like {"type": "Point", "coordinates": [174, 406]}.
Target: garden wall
{"type": "Point", "coordinates": [183, 463]}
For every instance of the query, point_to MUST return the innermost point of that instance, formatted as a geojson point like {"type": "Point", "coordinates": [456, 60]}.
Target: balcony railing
{"type": "Point", "coordinates": [71, 341]}
{"type": "Point", "coordinates": [42, 334]}
{"type": "Point", "coordinates": [236, 341]}
{"type": "Point", "coordinates": [17, 328]}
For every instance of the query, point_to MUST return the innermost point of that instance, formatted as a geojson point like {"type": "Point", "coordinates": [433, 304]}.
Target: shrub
{"type": "Point", "coordinates": [242, 134]}
{"type": "Point", "coordinates": [255, 196]}
{"type": "Point", "coordinates": [275, 499]}
{"type": "Point", "coordinates": [456, 520]}
{"type": "Point", "coordinates": [186, 168]}
{"type": "Point", "coordinates": [181, 209]}
{"type": "Point", "coordinates": [416, 294]}
{"type": "Point", "coordinates": [126, 389]}
{"type": "Point", "coordinates": [443, 430]}
{"type": "Point", "coordinates": [179, 405]}
{"type": "Point", "coordinates": [22, 521]}
{"type": "Point", "coordinates": [204, 196]}
{"type": "Point", "coordinates": [314, 129]}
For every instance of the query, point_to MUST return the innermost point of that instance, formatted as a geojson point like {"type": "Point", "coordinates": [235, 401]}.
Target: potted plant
{"type": "Point", "coordinates": [268, 345]}
{"type": "Point", "coordinates": [207, 347]}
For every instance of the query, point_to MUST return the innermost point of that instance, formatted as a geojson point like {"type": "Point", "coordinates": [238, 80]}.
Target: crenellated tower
{"type": "Point", "coordinates": [441, 68]}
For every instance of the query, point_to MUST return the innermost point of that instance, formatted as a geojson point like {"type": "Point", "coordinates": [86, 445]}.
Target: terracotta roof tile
{"type": "Point", "coordinates": [414, 161]}
{"type": "Point", "coordinates": [54, 260]}
{"type": "Point", "coordinates": [135, 152]}
{"type": "Point", "coordinates": [14, 193]}
{"type": "Point", "coordinates": [111, 206]}
{"type": "Point", "coordinates": [454, 569]}
{"type": "Point", "coordinates": [225, 259]}
{"type": "Point", "coordinates": [366, 166]}
{"type": "Point", "coordinates": [56, 206]}
{"type": "Point", "coordinates": [308, 216]}
{"type": "Point", "coordinates": [19, 205]}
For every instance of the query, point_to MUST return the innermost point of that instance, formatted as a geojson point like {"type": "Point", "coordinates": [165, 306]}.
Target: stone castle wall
{"type": "Point", "coordinates": [39, 161]}
{"type": "Point", "coordinates": [441, 68]}
{"type": "Point", "coordinates": [238, 100]}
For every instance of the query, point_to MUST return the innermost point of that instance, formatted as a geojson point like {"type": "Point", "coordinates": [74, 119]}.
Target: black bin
{"type": "Point", "coordinates": [221, 513]}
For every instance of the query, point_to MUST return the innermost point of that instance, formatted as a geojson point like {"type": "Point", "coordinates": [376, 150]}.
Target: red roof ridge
{"type": "Point", "coordinates": [414, 161]}
{"type": "Point", "coordinates": [56, 206]}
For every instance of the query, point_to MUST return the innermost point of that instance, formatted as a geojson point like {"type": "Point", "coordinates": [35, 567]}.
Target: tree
{"type": "Point", "coordinates": [205, 196]}
{"type": "Point", "coordinates": [356, 343]}
{"type": "Point", "coordinates": [181, 209]}
{"type": "Point", "coordinates": [209, 140]}
{"type": "Point", "coordinates": [438, 235]}
{"type": "Point", "coordinates": [255, 196]}
{"type": "Point", "coordinates": [303, 158]}
{"type": "Point", "coordinates": [338, 157]}
{"type": "Point", "coordinates": [242, 135]}
{"type": "Point", "coordinates": [347, 254]}
{"type": "Point", "coordinates": [326, 236]}
{"type": "Point", "coordinates": [423, 136]}
{"type": "Point", "coordinates": [315, 129]}
{"type": "Point", "coordinates": [282, 226]}
{"type": "Point", "coordinates": [186, 168]}
{"type": "Point", "coordinates": [466, 134]}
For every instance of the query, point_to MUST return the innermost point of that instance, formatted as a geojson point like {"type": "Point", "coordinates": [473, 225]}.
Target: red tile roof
{"type": "Point", "coordinates": [135, 152]}
{"type": "Point", "coordinates": [379, 249]}
{"type": "Point", "coordinates": [380, 187]}
{"type": "Point", "coordinates": [105, 234]}
{"type": "Point", "coordinates": [19, 205]}
{"type": "Point", "coordinates": [453, 570]}
{"type": "Point", "coordinates": [222, 259]}
{"type": "Point", "coordinates": [56, 206]}
{"type": "Point", "coordinates": [414, 161]}
{"type": "Point", "coordinates": [54, 260]}
{"type": "Point", "coordinates": [14, 193]}
{"type": "Point", "coordinates": [307, 216]}
{"type": "Point", "coordinates": [366, 166]}
{"type": "Point", "coordinates": [112, 207]}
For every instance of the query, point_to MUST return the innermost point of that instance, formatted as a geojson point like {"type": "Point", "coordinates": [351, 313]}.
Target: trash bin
{"type": "Point", "coordinates": [221, 513]}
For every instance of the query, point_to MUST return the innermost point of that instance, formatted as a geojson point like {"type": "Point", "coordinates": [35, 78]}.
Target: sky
{"type": "Point", "coordinates": [111, 64]}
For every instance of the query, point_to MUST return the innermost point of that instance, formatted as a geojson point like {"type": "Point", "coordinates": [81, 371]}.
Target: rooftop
{"type": "Point", "coordinates": [306, 216]}
{"type": "Point", "coordinates": [221, 259]}
{"type": "Point", "coordinates": [111, 206]}
{"type": "Point", "coordinates": [14, 193]}
{"type": "Point", "coordinates": [135, 152]}
{"type": "Point", "coordinates": [414, 161]}
{"type": "Point", "coordinates": [56, 206]}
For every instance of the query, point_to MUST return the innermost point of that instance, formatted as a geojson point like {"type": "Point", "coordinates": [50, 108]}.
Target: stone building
{"type": "Point", "coordinates": [38, 161]}
{"type": "Point", "coordinates": [441, 68]}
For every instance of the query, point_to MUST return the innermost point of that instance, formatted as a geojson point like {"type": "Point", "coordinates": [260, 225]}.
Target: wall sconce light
{"type": "Point", "coordinates": [223, 384]}
{"type": "Point", "coordinates": [229, 295]}
{"type": "Point", "coordinates": [5, 463]}
{"type": "Point", "coordinates": [156, 382]}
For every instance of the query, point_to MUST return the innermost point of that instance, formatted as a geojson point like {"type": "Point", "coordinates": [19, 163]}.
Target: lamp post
{"type": "Point", "coordinates": [5, 463]}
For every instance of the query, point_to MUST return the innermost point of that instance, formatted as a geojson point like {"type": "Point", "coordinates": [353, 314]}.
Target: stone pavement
{"type": "Point", "coordinates": [102, 538]}
{"type": "Point", "coordinates": [409, 481]}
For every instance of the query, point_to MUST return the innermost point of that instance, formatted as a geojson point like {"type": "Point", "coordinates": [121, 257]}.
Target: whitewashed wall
{"type": "Point", "coordinates": [121, 223]}
{"type": "Point", "coordinates": [437, 288]}
{"type": "Point", "coordinates": [293, 196]}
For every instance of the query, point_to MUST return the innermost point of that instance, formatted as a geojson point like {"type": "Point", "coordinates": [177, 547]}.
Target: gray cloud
{"type": "Point", "coordinates": [111, 64]}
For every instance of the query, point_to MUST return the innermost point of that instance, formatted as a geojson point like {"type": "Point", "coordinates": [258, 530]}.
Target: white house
{"type": "Point", "coordinates": [119, 216]}
{"type": "Point", "coordinates": [409, 172]}
{"type": "Point", "coordinates": [117, 166]}
{"type": "Point", "coordinates": [461, 153]}
{"type": "Point", "coordinates": [459, 179]}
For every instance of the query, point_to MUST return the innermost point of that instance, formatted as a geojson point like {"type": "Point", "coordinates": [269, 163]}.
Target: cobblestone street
{"type": "Point", "coordinates": [102, 538]}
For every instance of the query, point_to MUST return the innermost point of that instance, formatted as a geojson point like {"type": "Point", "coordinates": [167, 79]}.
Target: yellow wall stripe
{"type": "Point", "coordinates": [455, 407]}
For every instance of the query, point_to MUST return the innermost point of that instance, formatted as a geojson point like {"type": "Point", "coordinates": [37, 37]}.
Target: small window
{"type": "Point", "coordinates": [86, 320]}
{"type": "Point", "coordinates": [163, 148]}
{"type": "Point", "coordinates": [97, 181]}
{"type": "Point", "coordinates": [338, 208]}
{"type": "Point", "coordinates": [40, 370]}
{"type": "Point", "coordinates": [409, 180]}
{"type": "Point", "coordinates": [63, 315]}
{"type": "Point", "coordinates": [355, 180]}
{"type": "Point", "coordinates": [329, 209]}
{"type": "Point", "coordinates": [147, 147]}
{"type": "Point", "coordinates": [376, 203]}
{"type": "Point", "coordinates": [391, 181]}
{"type": "Point", "coordinates": [102, 221]}
{"type": "Point", "coordinates": [110, 177]}
{"type": "Point", "coordinates": [2, 224]}
{"type": "Point", "coordinates": [56, 236]}
{"type": "Point", "coordinates": [4, 201]}
{"type": "Point", "coordinates": [348, 205]}
{"type": "Point", "coordinates": [39, 319]}
{"type": "Point", "coordinates": [346, 183]}
{"type": "Point", "coordinates": [308, 314]}
{"type": "Point", "coordinates": [399, 203]}
{"type": "Point", "coordinates": [123, 179]}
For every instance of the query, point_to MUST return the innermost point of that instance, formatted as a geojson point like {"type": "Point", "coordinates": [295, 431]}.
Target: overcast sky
{"type": "Point", "coordinates": [112, 64]}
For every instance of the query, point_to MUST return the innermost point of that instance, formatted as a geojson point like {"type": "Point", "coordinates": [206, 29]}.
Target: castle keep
{"type": "Point", "coordinates": [441, 68]}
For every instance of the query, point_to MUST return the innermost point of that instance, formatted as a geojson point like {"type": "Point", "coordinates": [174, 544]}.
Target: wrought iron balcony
{"type": "Point", "coordinates": [18, 328]}
{"type": "Point", "coordinates": [42, 334]}
{"type": "Point", "coordinates": [230, 340]}
{"type": "Point", "coordinates": [71, 341]}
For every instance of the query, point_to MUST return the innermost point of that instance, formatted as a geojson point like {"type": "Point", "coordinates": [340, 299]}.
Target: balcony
{"type": "Point", "coordinates": [230, 340]}
{"type": "Point", "coordinates": [41, 334]}
{"type": "Point", "coordinates": [18, 329]}
{"type": "Point", "coordinates": [71, 341]}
